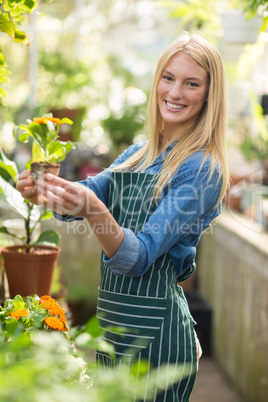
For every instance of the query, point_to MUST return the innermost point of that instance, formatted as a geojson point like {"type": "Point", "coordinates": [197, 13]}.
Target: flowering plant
{"type": "Point", "coordinates": [45, 133]}
{"type": "Point", "coordinates": [30, 314]}
{"type": "Point", "coordinates": [30, 213]}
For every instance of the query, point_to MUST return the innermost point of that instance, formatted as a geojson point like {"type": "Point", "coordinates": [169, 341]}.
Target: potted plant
{"type": "Point", "coordinates": [238, 28]}
{"type": "Point", "coordinates": [29, 266]}
{"type": "Point", "coordinates": [254, 145]}
{"type": "Point", "coordinates": [253, 131]}
{"type": "Point", "coordinates": [47, 149]}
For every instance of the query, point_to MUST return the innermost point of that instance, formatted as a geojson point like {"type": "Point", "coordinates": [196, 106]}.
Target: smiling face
{"type": "Point", "coordinates": [181, 93]}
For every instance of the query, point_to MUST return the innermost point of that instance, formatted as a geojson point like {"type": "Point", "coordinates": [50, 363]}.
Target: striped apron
{"type": "Point", "coordinates": [151, 308]}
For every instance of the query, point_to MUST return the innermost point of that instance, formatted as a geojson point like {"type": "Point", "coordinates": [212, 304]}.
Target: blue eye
{"type": "Point", "coordinates": [192, 84]}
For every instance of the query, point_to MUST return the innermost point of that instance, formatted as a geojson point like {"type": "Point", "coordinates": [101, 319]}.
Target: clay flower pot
{"type": "Point", "coordinates": [31, 273]}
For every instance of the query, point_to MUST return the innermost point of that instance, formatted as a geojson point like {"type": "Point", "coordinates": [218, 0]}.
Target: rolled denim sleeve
{"type": "Point", "coordinates": [189, 204]}
{"type": "Point", "coordinates": [126, 256]}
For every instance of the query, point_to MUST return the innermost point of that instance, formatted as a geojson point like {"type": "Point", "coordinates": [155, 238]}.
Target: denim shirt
{"type": "Point", "coordinates": [186, 208]}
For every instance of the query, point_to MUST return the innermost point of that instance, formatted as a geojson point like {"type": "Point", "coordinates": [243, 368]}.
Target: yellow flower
{"type": "Point", "coordinates": [19, 313]}
{"type": "Point", "coordinates": [54, 323]}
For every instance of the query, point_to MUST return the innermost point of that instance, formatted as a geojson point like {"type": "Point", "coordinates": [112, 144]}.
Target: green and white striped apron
{"type": "Point", "coordinates": [152, 308]}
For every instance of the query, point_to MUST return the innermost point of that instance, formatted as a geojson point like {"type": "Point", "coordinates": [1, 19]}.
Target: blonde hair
{"type": "Point", "coordinates": [209, 131]}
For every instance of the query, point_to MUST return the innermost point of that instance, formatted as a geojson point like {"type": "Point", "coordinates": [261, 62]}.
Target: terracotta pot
{"type": "Point", "coordinates": [38, 169]}
{"type": "Point", "coordinates": [29, 274]}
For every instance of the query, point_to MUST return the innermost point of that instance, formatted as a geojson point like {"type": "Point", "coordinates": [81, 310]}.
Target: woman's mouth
{"type": "Point", "coordinates": [174, 106]}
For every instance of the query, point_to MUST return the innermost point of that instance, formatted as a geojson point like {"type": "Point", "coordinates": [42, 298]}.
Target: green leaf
{"type": "Point", "coordinates": [2, 58]}
{"type": "Point", "coordinates": [8, 169]}
{"type": "Point", "coordinates": [7, 26]}
{"type": "Point", "coordinates": [65, 120]}
{"type": "Point", "coordinates": [31, 4]}
{"type": "Point", "coordinates": [93, 327]}
{"type": "Point", "coordinates": [8, 173]}
{"type": "Point", "coordinates": [24, 137]}
{"type": "Point", "coordinates": [47, 215]}
{"type": "Point", "coordinates": [18, 302]}
{"type": "Point", "coordinates": [37, 153]}
{"type": "Point", "coordinates": [140, 367]}
{"type": "Point", "coordinates": [49, 237]}
{"type": "Point", "coordinates": [58, 150]}
{"type": "Point", "coordinates": [69, 146]}
{"type": "Point", "coordinates": [3, 93]}
{"type": "Point", "coordinates": [16, 201]}
{"type": "Point", "coordinates": [265, 23]}
{"type": "Point", "coordinates": [4, 230]}
{"type": "Point", "coordinates": [38, 319]}
{"type": "Point", "coordinates": [4, 76]}
{"type": "Point", "coordinates": [20, 36]}
{"type": "Point", "coordinates": [11, 325]}
{"type": "Point", "coordinates": [37, 131]}
{"type": "Point", "coordinates": [28, 165]}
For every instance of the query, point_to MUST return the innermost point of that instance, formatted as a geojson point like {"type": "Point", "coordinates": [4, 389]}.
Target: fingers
{"type": "Point", "coordinates": [71, 192]}
{"type": "Point", "coordinates": [24, 180]}
{"type": "Point", "coordinates": [67, 190]}
{"type": "Point", "coordinates": [61, 200]}
{"type": "Point", "coordinates": [28, 189]}
{"type": "Point", "coordinates": [28, 192]}
{"type": "Point", "coordinates": [24, 184]}
{"type": "Point", "coordinates": [51, 200]}
{"type": "Point", "coordinates": [24, 174]}
{"type": "Point", "coordinates": [58, 181]}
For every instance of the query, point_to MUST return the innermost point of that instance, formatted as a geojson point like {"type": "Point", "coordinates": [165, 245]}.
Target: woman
{"type": "Point", "coordinates": [148, 211]}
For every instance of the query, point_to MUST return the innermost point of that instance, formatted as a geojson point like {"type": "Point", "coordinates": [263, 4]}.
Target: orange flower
{"type": "Point", "coordinates": [63, 320]}
{"type": "Point", "coordinates": [47, 300]}
{"type": "Point", "coordinates": [48, 303]}
{"type": "Point", "coordinates": [54, 309]}
{"type": "Point", "coordinates": [54, 323]}
{"type": "Point", "coordinates": [19, 313]}
{"type": "Point", "coordinates": [46, 297]}
{"type": "Point", "coordinates": [51, 305]}
{"type": "Point", "coordinates": [44, 120]}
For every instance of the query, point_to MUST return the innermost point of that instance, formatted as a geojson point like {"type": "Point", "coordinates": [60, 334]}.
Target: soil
{"type": "Point", "coordinates": [37, 250]}
{"type": "Point", "coordinates": [38, 169]}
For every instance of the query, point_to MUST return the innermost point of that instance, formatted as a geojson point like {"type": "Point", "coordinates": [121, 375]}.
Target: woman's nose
{"type": "Point", "coordinates": [176, 91]}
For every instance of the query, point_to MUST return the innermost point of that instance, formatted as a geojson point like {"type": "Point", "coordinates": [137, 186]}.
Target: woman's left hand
{"type": "Point", "coordinates": [69, 198]}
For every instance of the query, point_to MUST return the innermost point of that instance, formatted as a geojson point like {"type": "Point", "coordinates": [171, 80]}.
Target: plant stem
{"type": "Point", "coordinates": [27, 228]}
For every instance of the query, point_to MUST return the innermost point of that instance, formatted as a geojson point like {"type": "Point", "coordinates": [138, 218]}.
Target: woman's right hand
{"type": "Point", "coordinates": [28, 189]}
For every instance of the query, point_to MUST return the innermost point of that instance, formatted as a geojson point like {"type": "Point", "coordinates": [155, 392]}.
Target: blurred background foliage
{"type": "Point", "coordinates": [94, 61]}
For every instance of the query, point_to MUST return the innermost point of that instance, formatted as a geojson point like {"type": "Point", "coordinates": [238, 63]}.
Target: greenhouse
{"type": "Point", "coordinates": [134, 200]}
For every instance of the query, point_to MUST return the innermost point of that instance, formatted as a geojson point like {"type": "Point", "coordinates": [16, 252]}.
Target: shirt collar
{"type": "Point", "coordinates": [170, 147]}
